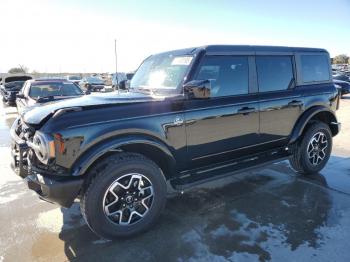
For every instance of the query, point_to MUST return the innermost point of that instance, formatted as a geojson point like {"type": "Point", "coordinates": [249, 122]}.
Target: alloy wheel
{"type": "Point", "coordinates": [128, 199]}
{"type": "Point", "coordinates": [316, 148]}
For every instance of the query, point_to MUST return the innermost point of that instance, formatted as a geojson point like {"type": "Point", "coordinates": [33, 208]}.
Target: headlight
{"type": "Point", "coordinates": [43, 146]}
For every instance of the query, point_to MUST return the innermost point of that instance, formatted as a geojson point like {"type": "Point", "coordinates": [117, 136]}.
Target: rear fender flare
{"type": "Point", "coordinates": [305, 118]}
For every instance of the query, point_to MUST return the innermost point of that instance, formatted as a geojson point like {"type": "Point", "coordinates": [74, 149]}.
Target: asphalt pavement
{"type": "Point", "coordinates": [269, 214]}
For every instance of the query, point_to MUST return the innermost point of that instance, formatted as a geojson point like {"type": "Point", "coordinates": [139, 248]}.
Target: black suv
{"type": "Point", "coordinates": [190, 116]}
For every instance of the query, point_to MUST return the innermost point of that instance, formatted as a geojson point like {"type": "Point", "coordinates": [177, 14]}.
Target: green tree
{"type": "Point", "coordinates": [20, 69]}
{"type": "Point", "coordinates": [341, 59]}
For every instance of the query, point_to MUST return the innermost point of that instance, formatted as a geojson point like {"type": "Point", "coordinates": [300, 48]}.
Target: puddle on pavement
{"type": "Point", "coordinates": [275, 218]}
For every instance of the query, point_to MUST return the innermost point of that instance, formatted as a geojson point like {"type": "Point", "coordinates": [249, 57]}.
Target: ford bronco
{"type": "Point", "coordinates": [190, 116]}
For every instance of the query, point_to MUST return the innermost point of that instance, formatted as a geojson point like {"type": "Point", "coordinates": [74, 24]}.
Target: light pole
{"type": "Point", "coordinates": [116, 63]}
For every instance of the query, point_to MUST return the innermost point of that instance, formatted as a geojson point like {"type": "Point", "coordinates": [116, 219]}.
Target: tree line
{"type": "Point", "coordinates": [341, 59]}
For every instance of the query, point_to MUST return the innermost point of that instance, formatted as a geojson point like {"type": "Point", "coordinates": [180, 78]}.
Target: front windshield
{"type": "Point", "coordinates": [47, 89]}
{"type": "Point", "coordinates": [15, 85]}
{"type": "Point", "coordinates": [94, 80]}
{"type": "Point", "coordinates": [74, 78]}
{"type": "Point", "coordinates": [161, 72]}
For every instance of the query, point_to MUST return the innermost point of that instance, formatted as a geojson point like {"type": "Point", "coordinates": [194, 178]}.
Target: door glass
{"type": "Point", "coordinates": [228, 74]}
{"type": "Point", "coordinates": [274, 72]}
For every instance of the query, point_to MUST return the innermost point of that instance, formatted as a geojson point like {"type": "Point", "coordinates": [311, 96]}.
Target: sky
{"type": "Point", "coordinates": [78, 36]}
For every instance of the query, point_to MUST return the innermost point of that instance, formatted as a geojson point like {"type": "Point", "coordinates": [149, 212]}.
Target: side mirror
{"type": "Point", "coordinates": [87, 92]}
{"type": "Point", "coordinates": [20, 95]}
{"type": "Point", "coordinates": [199, 89]}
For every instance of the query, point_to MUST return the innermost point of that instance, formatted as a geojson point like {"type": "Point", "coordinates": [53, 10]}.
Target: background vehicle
{"type": "Point", "coordinates": [91, 84]}
{"type": "Point", "coordinates": [120, 79]}
{"type": "Point", "coordinates": [10, 86]}
{"type": "Point", "coordinates": [191, 115]}
{"type": "Point", "coordinates": [345, 86]}
{"type": "Point", "coordinates": [38, 92]}
{"type": "Point", "coordinates": [74, 78]}
{"type": "Point", "coordinates": [342, 77]}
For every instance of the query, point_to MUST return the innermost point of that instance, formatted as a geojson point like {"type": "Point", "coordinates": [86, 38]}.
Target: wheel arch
{"type": "Point", "coordinates": [319, 113]}
{"type": "Point", "coordinates": [150, 147]}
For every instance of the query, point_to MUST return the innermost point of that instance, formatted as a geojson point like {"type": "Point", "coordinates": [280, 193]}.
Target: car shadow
{"type": "Point", "coordinates": [251, 216]}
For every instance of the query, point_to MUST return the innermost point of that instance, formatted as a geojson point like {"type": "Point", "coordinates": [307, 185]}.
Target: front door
{"type": "Point", "coordinates": [217, 127]}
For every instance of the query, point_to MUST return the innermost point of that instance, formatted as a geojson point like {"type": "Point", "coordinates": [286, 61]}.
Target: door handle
{"type": "Point", "coordinates": [295, 103]}
{"type": "Point", "coordinates": [246, 110]}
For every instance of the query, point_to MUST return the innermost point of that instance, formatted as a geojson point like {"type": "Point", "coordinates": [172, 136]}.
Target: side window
{"type": "Point", "coordinates": [274, 72]}
{"type": "Point", "coordinates": [229, 75]}
{"type": "Point", "coordinates": [314, 68]}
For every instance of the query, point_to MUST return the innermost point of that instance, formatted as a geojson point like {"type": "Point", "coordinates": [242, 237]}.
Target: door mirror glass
{"type": "Point", "coordinates": [199, 89]}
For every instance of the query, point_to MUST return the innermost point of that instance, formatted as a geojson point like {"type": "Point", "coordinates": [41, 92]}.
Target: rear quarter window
{"type": "Point", "coordinates": [314, 68]}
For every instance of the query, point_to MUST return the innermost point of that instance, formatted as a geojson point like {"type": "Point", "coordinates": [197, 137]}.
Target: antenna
{"type": "Point", "coordinates": [116, 63]}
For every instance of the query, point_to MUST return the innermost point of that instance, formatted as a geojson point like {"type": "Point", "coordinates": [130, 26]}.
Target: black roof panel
{"type": "Point", "coordinates": [242, 48]}
{"type": "Point", "coordinates": [257, 48]}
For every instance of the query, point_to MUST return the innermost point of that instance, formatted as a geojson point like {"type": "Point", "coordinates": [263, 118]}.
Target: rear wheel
{"type": "Point", "coordinates": [125, 196]}
{"type": "Point", "coordinates": [311, 153]}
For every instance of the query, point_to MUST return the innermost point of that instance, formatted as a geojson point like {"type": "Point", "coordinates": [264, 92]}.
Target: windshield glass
{"type": "Point", "coordinates": [74, 78]}
{"type": "Point", "coordinates": [46, 89]}
{"type": "Point", "coordinates": [94, 80]}
{"type": "Point", "coordinates": [15, 85]}
{"type": "Point", "coordinates": [161, 72]}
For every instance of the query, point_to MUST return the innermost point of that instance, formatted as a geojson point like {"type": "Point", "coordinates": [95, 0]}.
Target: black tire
{"type": "Point", "coordinates": [102, 176]}
{"type": "Point", "coordinates": [299, 160]}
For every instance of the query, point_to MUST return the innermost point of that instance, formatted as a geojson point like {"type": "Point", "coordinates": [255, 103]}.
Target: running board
{"type": "Point", "coordinates": [198, 176]}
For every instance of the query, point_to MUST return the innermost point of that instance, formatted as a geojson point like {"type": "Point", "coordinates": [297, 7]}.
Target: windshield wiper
{"type": "Point", "coordinates": [45, 98]}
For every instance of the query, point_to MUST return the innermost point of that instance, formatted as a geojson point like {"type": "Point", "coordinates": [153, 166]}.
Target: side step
{"type": "Point", "coordinates": [195, 177]}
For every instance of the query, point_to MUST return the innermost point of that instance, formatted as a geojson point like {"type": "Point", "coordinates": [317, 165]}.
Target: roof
{"type": "Point", "coordinates": [49, 79]}
{"type": "Point", "coordinates": [257, 48]}
{"type": "Point", "coordinates": [243, 48]}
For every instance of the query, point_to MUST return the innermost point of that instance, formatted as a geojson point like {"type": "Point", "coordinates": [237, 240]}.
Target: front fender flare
{"type": "Point", "coordinates": [89, 157]}
{"type": "Point", "coordinates": [305, 118]}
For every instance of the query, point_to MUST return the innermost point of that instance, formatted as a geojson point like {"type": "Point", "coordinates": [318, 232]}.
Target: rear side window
{"type": "Point", "coordinates": [274, 72]}
{"type": "Point", "coordinates": [229, 75]}
{"type": "Point", "coordinates": [314, 68]}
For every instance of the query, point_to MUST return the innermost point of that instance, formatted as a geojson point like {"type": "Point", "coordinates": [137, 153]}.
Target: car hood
{"type": "Point", "coordinates": [37, 114]}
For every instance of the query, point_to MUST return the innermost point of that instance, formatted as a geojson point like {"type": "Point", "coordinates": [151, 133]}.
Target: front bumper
{"type": "Point", "coordinates": [97, 87]}
{"type": "Point", "coordinates": [54, 189]}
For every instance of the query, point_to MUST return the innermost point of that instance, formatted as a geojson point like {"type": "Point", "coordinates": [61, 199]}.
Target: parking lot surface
{"type": "Point", "coordinates": [269, 214]}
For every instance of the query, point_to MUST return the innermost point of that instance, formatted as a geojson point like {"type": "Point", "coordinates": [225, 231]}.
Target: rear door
{"type": "Point", "coordinates": [229, 120]}
{"type": "Point", "coordinates": [280, 103]}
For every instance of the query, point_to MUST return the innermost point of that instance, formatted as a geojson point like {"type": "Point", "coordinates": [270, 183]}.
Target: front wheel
{"type": "Point", "coordinates": [312, 152]}
{"type": "Point", "coordinates": [125, 196]}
